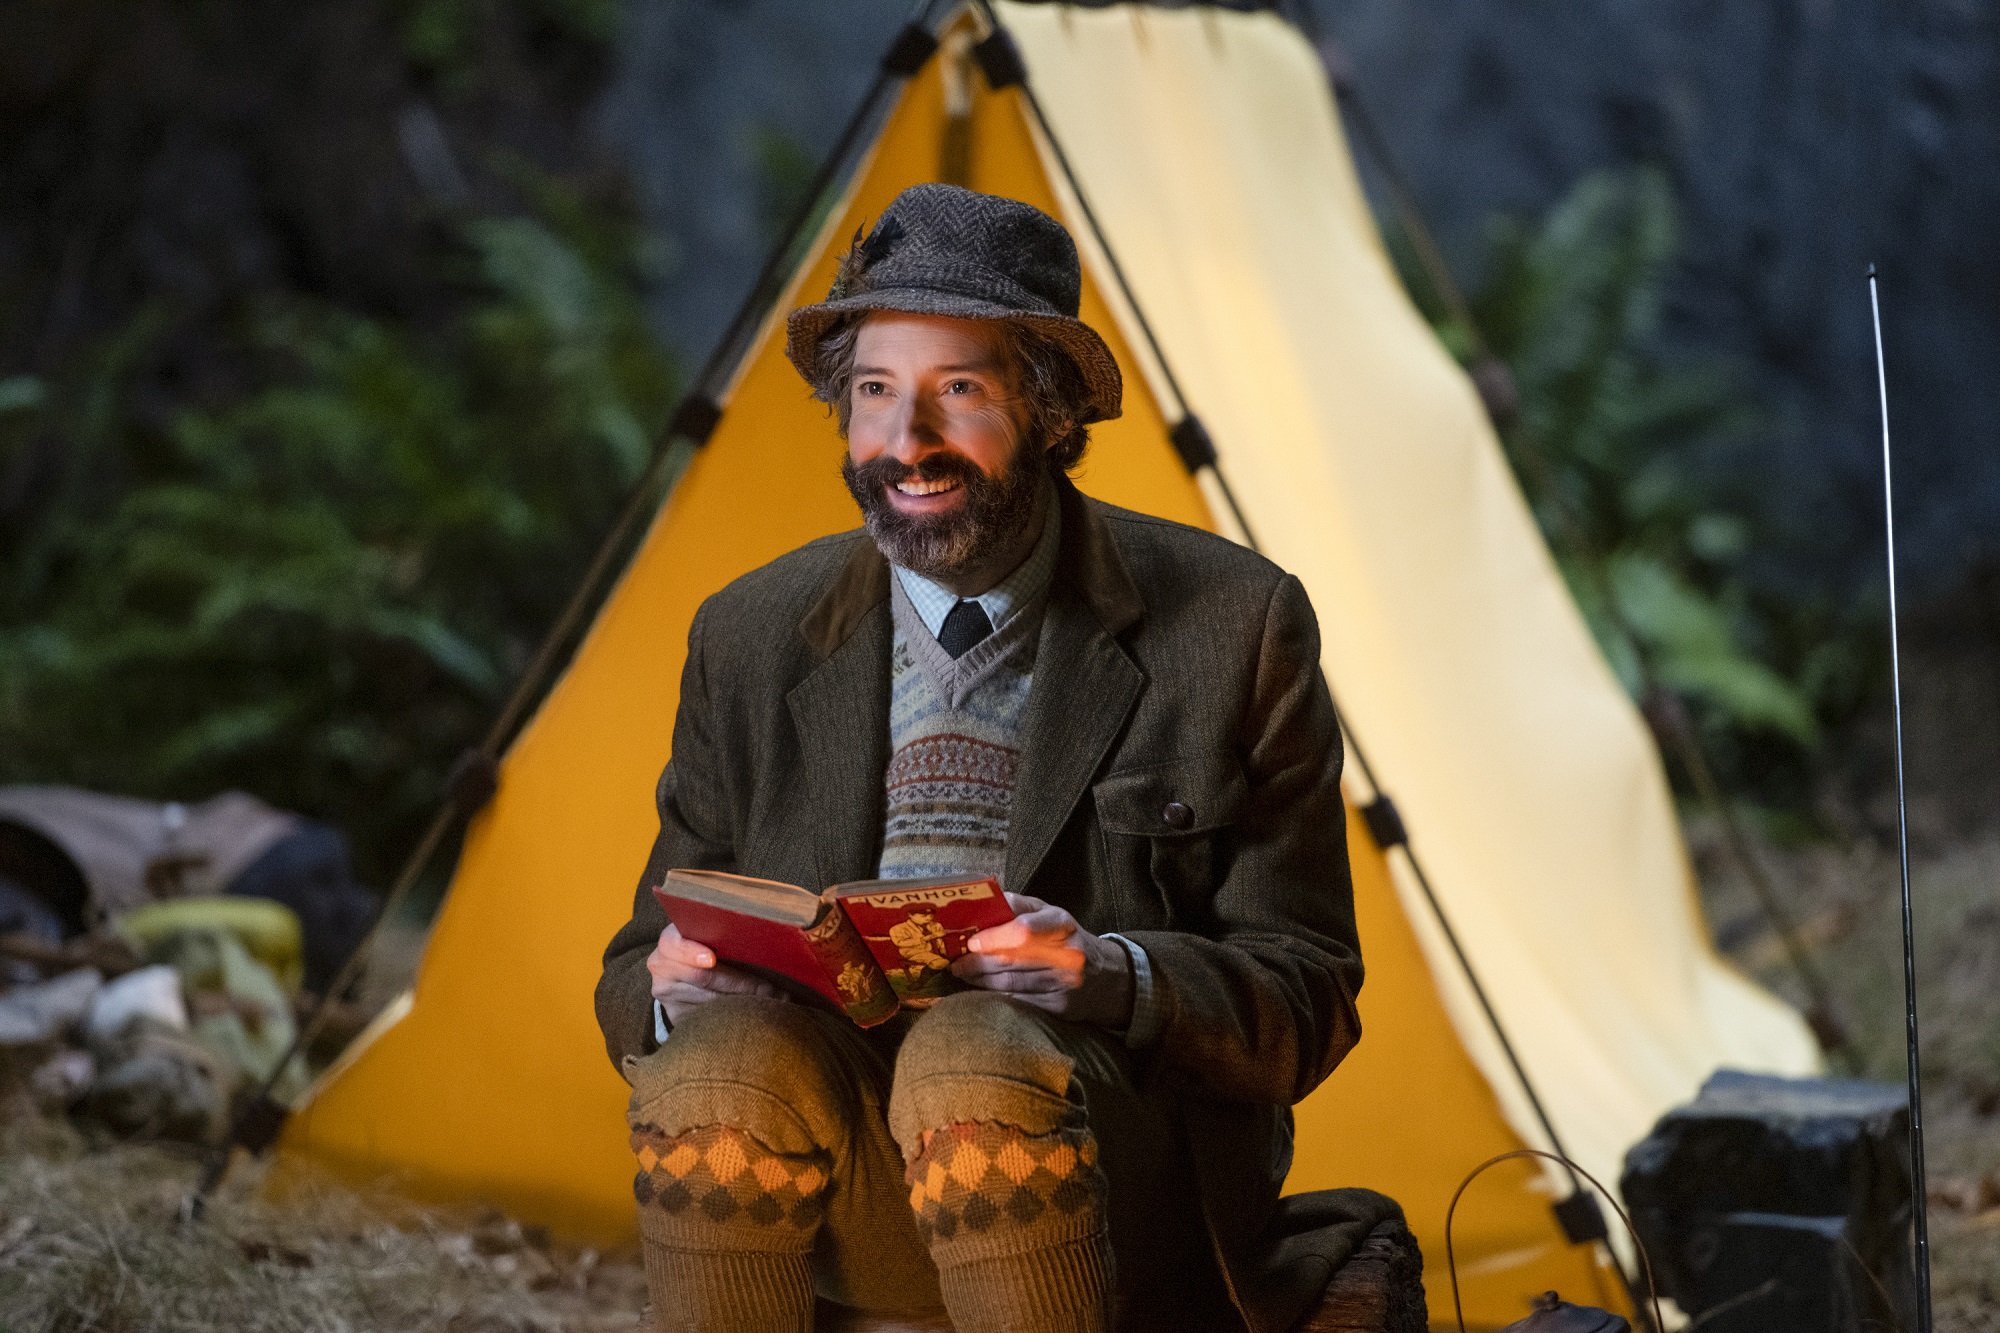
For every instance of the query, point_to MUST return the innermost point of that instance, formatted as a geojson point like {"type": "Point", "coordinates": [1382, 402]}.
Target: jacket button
{"type": "Point", "coordinates": [1177, 815]}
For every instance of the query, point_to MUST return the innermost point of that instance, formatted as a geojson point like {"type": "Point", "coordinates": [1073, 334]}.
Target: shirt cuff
{"type": "Point", "coordinates": [660, 1025]}
{"type": "Point", "coordinates": [1146, 1016]}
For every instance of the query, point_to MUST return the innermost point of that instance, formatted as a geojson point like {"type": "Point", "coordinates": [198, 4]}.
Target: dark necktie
{"type": "Point", "coordinates": [964, 625]}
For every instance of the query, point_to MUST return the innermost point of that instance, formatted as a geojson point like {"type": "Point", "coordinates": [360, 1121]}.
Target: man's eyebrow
{"type": "Point", "coordinates": [958, 368]}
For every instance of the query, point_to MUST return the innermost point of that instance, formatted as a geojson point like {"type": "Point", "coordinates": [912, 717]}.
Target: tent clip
{"type": "Point", "coordinates": [1193, 443]}
{"type": "Point", "coordinates": [1000, 61]}
{"type": "Point", "coordinates": [696, 419]}
{"type": "Point", "coordinates": [913, 47]}
{"type": "Point", "coordinates": [1582, 1219]}
{"type": "Point", "coordinates": [1386, 827]}
{"type": "Point", "coordinates": [474, 777]}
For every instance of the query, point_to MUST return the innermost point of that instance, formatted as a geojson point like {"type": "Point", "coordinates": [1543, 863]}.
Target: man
{"type": "Point", "coordinates": [1119, 717]}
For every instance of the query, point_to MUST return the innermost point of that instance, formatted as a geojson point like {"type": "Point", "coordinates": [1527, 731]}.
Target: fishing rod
{"type": "Point", "coordinates": [1923, 1242]}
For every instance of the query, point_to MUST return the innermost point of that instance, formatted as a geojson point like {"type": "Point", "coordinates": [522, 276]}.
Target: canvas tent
{"type": "Point", "coordinates": [1207, 148]}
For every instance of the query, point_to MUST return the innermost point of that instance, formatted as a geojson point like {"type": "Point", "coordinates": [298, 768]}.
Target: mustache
{"type": "Point", "coordinates": [885, 471]}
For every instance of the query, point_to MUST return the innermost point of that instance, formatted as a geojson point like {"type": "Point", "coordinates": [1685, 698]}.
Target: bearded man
{"type": "Point", "coordinates": [1119, 717]}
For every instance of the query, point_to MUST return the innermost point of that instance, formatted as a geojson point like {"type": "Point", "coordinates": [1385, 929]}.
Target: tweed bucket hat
{"type": "Point", "coordinates": [944, 250]}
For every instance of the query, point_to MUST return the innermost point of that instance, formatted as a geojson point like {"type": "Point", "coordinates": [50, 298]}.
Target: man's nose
{"type": "Point", "coordinates": [915, 432]}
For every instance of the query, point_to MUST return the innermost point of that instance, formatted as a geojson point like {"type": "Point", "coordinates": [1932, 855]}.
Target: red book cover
{"type": "Point", "coordinates": [868, 948]}
{"type": "Point", "coordinates": [917, 929]}
{"type": "Point", "coordinates": [750, 941]}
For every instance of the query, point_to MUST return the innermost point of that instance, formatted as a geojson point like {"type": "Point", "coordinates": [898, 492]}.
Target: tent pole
{"type": "Point", "coordinates": [1303, 16]}
{"type": "Point", "coordinates": [1580, 1218]}
{"type": "Point", "coordinates": [260, 1117]}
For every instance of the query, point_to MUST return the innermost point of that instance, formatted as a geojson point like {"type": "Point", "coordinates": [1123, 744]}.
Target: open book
{"type": "Point", "coordinates": [869, 947]}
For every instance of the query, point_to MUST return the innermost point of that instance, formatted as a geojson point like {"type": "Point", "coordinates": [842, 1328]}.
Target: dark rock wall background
{"type": "Point", "coordinates": [1806, 138]}
{"type": "Point", "coordinates": [714, 103]}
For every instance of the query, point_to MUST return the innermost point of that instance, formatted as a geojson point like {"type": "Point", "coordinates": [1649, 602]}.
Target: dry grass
{"type": "Point", "coordinates": [93, 1241]}
{"type": "Point", "coordinates": [92, 1238]}
{"type": "Point", "coordinates": [1848, 903]}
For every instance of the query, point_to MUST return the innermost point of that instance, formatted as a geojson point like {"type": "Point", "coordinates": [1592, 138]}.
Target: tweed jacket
{"type": "Point", "coordinates": [1178, 783]}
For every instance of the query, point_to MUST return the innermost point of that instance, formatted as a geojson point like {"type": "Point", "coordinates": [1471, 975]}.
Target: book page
{"type": "Point", "coordinates": [770, 899]}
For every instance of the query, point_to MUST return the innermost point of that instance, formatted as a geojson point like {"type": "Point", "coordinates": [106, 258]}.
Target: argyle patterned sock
{"type": "Point", "coordinates": [1015, 1225]}
{"type": "Point", "coordinates": [727, 1226]}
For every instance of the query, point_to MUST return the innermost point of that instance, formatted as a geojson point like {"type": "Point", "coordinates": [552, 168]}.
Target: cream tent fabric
{"type": "Point", "coordinates": [1207, 144]}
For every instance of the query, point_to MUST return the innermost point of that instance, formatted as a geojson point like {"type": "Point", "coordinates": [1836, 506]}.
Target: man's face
{"type": "Point", "coordinates": [936, 452]}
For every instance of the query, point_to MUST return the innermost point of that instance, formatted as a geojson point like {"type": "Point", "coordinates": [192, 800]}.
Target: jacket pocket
{"type": "Point", "coordinates": [1164, 829]}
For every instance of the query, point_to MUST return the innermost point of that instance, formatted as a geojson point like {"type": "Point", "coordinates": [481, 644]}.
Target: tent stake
{"type": "Point", "coordinates": [1917, 1178]}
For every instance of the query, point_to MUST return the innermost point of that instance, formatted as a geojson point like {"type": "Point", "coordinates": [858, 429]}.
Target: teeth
{"type": "Point", "coordinates": [913, 486]}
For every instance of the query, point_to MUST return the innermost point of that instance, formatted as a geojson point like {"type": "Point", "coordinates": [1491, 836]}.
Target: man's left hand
{"type": "Point", "coordinates": [1045, 959]}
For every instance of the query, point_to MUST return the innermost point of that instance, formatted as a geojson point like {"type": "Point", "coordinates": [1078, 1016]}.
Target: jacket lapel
{"type": "Point", "coordinates": [1084, 686]}
{"type": "Point", "coordinates": [840, 711]}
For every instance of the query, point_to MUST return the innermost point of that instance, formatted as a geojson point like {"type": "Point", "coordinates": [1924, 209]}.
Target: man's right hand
{"type": "Point", "coordinates": [686, 974]}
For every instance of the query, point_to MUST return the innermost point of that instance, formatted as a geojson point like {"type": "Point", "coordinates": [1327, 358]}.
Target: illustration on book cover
{"type": "Point", "coordinates": [916, 934]}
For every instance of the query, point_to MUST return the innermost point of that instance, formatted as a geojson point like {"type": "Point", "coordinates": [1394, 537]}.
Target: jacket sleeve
{"type": "Point", "coordinates": [694, 831]}
{"type": "Point", "coordinates": [1260, 1006]}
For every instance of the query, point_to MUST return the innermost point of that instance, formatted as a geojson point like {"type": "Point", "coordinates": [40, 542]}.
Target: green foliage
{"type": "Point", "coordinates": [1612, 440]}
{"type": "Point", "coordinates": [784, 176]}
{"type": "Point", "coordinates": [320, 588]}
{"type": "Point", "coordinates": [445, 37]}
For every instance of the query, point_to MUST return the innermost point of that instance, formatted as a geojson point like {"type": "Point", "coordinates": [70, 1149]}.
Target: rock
{"type": "Point", "coordinates": [694, 85]}
{"type": "Point", "coordinates": [159, 1084]}
{"type": "Point", "coordinates": [45, 1012]}
{"type": "Point", "coordinates": [151, 993]}
{"type": "Point", "coordinates": [61, 1080]}
{"type": "Point", "coordinates": [1762, 1201]}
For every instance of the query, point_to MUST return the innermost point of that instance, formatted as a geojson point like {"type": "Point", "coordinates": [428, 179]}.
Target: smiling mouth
{"type": "Point", "coordinates": [916, 486]}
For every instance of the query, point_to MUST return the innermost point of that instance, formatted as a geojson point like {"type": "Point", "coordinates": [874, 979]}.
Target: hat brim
{"type": "Point", "coordinates": [808, 325]}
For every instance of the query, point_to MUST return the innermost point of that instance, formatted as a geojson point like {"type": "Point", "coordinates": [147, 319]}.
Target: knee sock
{"type": "Point", "coordinates": [727, 1226]}
{"type": "Point", "coordinates": [1016, 1226]}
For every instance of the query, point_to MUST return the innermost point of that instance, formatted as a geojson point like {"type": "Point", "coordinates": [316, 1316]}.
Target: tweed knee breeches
{"type": "Point", "coordinates": [943, 1141]}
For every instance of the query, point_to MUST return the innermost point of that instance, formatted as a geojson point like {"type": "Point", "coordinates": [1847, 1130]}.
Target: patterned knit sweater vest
{"type": "Point", "coordinates": [954, 739]}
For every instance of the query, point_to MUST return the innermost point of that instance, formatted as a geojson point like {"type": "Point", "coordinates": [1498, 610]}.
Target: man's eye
{"type": "Point", "coordinates": [962, 387]}
{"type": "Point", "coordinates": [871, 388]}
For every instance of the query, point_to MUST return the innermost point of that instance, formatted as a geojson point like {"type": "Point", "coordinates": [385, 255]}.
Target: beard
{"type": "Point", "coordinates": [995, 511]}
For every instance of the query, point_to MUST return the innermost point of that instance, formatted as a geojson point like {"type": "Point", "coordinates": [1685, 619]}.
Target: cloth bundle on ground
{"type": "Point", "coordinates": [71, 858]}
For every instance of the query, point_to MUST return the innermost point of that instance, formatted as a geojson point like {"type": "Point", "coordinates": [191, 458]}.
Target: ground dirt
{"type": "Point", "coordinates": [94, 1237]}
